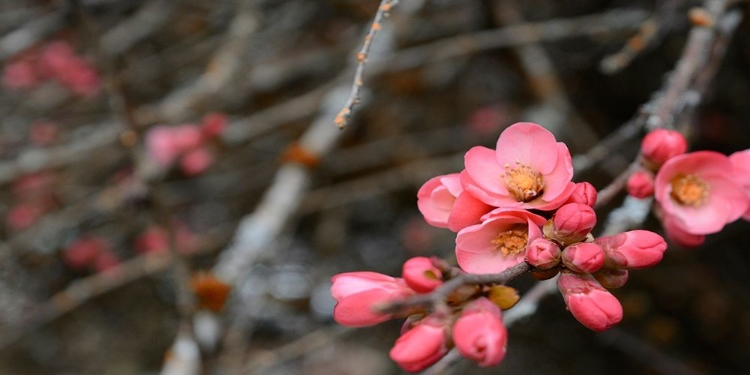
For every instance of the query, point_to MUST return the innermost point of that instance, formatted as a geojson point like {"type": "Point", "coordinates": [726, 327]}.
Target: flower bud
{"type": "Point", "coordinates": [571, 223]}
{"type": "Point", "coordinates": [421, 346]}
{"type": "Point", "coordinates": [632, 250]}
{"type": "Point", "coordinates": [641, 184]}
{"type": "Point", "coordinates": [583, 257]}
{"type": "Point", "coordinates": [660, 145]}
{"type": "Point", "coordinates": [611, 278]}
{"type": "Point", "coordinates": [591, 304]}
{"type": "Point", "coordinates": [421, 275]}
{"type": "Point", "coordinates": [356, 293]}
{"type": "Point", "coordinates": [584, 193]}
{"type": "Point", "coordinates": [543, 254]}
{"type": "Point", "coordinates": [479, 333]}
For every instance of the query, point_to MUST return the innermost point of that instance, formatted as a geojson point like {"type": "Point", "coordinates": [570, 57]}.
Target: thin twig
{"type": "Point", "coordinates": [342, 118]}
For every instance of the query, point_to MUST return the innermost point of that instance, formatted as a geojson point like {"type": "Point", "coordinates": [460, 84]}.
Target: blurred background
{"type": "Point", "coordinates": [145, 142]}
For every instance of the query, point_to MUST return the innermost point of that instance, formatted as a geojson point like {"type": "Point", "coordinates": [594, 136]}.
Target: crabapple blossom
{"type": "Point", "coordinates": [741, 162]}
{"type": "Point", "coordinates": [357, 293]}
{"type": "Point", "coordinates": [699, 192]}
{"type": "Point", "coordinates": [479, 333]}
{"type": "Point", "coordinates": [421, 275]}
{"type": "Point", "coordinates": [543, 254]}
{"type": "Point", "coordinates": [499, 242]}
{"type": "Point", "coordinates": [422, 345]}
{"type": "Point", "coordinates": [660, 145]}
{"type": "Point", "coordinates": [591, 304]}
{"type": "Point", "coordinates": [444, 203]}
{"type": "Point", "coordinates": [632, 250]}
{"type": "Point", "coordinates": [528, 169]}
{"type": "Point", "coordinates": [571, 223]}
{"type": "Point", "coordinates": [641, 184]}
{"type": "Point", "coordinates": [583, 257]}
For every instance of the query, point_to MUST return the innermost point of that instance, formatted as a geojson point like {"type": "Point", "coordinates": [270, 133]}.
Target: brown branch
{"type": "Point", "coordinates": [342, 118]}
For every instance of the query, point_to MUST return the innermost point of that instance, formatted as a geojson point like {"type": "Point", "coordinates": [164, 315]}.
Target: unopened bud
{"type": "Point", "coordinates": [660, 145]}
{"type": "Point", "coordinates": [570, 224]}
{"type": "Point", "coordinates": [632, 250]}
{"type": "Point", "coordinates": [589, 302]}
{"type": "Point", "coordinates": [583, 257]}
{"type": "Point", "coordinates": [543, 254]}
{"type": "Point", "coordinates": [584, 193]}
{"type": "Point", "coordinates": [641, 184]}
{"type": "Point", "coordinates": [421, 275]}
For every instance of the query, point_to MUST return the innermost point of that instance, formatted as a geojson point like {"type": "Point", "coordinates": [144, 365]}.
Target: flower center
{"type": "Point", "coordinates": [523, 182]}
{"type": "Point", "coordinates": [689, 190]}
{"type": "Point", "coordinates": [512, 241]}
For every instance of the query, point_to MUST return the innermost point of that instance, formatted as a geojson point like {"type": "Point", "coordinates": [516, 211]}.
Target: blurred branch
{"type": "Point", "coordinates": [147, 20]}
{"type": "Point", "coordinates": [34, 31]}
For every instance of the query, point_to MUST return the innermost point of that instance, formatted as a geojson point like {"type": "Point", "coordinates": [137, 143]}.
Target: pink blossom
{"type": "Point", "coordinates": [611, 277]}
{"type": "Point", "coordinates": [499, 242]}
{"type": "Point", "coordinates": [584, 193]}
{"type": "Point", "coordinates": [632, 250]}
{"type": "Point", "coordinates": [421, 275]}
{"type": "Point", "coordinates": [356, 294]}
{"type": "Point", "coordinates": [213, 124]}
{"type": "Point", "coordinates": [641, 184]}
{"type": "Point", "coordinates": [84, 251]}
{"type": "Point", "coordinates": [583, 257]}
{"type": "Point", "coordinates": [444, 204]}
{"type": "Point", "coordinates": [186, 136]}
{"type": "Point", "coordinates": [196, 161]}
{"type": "Point", "coordinates": [741, 162]}
{"type": "Point", "coordinates": [571, 223]}
{"type": "Point", "coordinates": [421, 346]}
{"type": "Point", "coordinates": [660, 145]}
{"type": "Point", "coordinates": [161, 146]}
{"type": "Point", "coordinates": [153, 240]}
{"type": "Point", "coordinates": [529, 169]}
{"type": "Point", "coordinates": [698, 192]}
{"type": "Point", "coordinates": [55, 58]}
{"type": "Point", "coordinates": [479, 333]}
{"type": "Point", "coordinates": [543, 254]}
{"type": "Point", "coordinates": [589, 302]}
{"type": "Point", "coordinates": [679, 236]}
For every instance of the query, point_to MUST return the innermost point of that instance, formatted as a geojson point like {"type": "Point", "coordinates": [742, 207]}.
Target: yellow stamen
{"type": "Point", "coordinates": [689, 190]}
{"type": "Point", "coordinates": [523, 182]}
{"type": "Point", "coordinates": [513, 241]}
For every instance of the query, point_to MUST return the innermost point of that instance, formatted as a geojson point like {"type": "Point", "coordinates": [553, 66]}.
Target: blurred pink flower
{"type": "Point", "coordinates": [741, 162]}
{"type": "Point", "coordinates": [699, 192]}
{"type": "Point", "coordinates": [421, 275]}
{"type": "Point", "coordinates": [356, 293]}
{"type": "Point", "coordinates": [479, 333]}
{"type": "Point", "coordinates": [196, 161]}
{"type": "Point", "coordinates": [499, 242]}
{"type": "Point", "coordinates": [20, 74]}
{"type": "Point", "coordinates": [213, 124]}
{"type": "Point", "coordinates": [528, 169]}
{"type": "Point", "coordinates": [421, 346]}
{"type": "Point", "coordinates": [444, 203]}
{"type": "Point", "coordinates": [641, 184]}
{"type": "Point", "coordinates": [589, 302]}
{"type": "Point", "coordinates": [22, 216]}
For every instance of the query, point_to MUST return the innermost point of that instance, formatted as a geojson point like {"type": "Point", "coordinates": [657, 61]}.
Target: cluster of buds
{"type": "Point", "coordinates": [186, 144]}
{"type": "Point", "coordinates": [55, 61]}
{"type": "Point", "coordinates": [513, 208]}
{"type": "Point", "coordinates": [696, 193]}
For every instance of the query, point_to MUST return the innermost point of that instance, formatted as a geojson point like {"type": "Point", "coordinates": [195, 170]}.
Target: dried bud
{"type": "Point", "coordinates": [570, 224]}
{"type": "Point", "coordinates": [641, 184]}
{"type": "Point", "coordinates": [584, 193]}
{"type": "Point", "coordinates": [503, 296]}
{"type": "Point", "coordinates": [543, 254]}
{"type": "Point", "coordinates": [583, 257]}
{"type": "Point", "coordinates": [589, 302]}
{"type": "Point", "coordinates": [421, 275]}
{"type": "Point", "coordinates": [632, 250]}
{"type": "Point", "coordinates": [211, 292]}
{"type": "Point", "coordinates": [660, 145]}
{"type": "Point", "coordinates": [611, 278]}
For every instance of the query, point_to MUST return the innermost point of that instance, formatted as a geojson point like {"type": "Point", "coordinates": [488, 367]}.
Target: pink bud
{"type": "Point", "coordinates": [611, 278]}
{"type": "Point", "coordinates": [22, 216]}
{"type": "Point", "coordinates": [84, 251]}
{"type": "Point", "coordinates": [421, 275]}
{"type": "Point", "coordinates": [632, 250]}
{"type": "Point", "coordinates": [543, 254]}
{"type": "Point", "coordinates": [213, 124]}
{"type": "Point", "coordinates": [641, 184]}
{"type": "Point", "coordinates": [680, 236]}
{"type": "Point", "coordinates": [660, 145]}
{"type": "Point", "coordinates": [196, 161]}
{"type": "Point", "coordinates": [583, 257]}
{"type": "Point", "coordinates": [584, 193]}
{"type": "Point", "coordinates": [571, 223]}
{"type": "Point", "coordinates": [421, 346]}
{"type": "Point", "coordinates": [589, 302]}
{"type": "Point", "coordinates": [356, 293]}
{"type": "Point", "coordinates": [479, 333]}
{"type": "Point", "coordinates": [186, 137]}
{"type": "Point", "coordinates": [153, 240]}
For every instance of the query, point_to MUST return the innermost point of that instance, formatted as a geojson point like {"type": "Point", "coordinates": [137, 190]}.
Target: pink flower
{"type": "Point", "coordinates": [479, 333]}
{"type": "Point", "coordinates": [529, 169]}
{"type": "Point", "coordinates": [421, 346]}
{"type": "Point", "coordinates": [499, 242]}
{"type": "Point", "coordinates": [543, 254]}
{"type": "Point", "coordinates": [583, 257]}
{"type": "Point", "coordinates": [641, 184]}
{"type": "Point", "coordinates": [589, 302]}
{"type": "Point", "coordinates": [741, 162]}
{"type": "Point", "coordinates": [356, 294]}
{"type": "Point", "coordinates": [699, 192]}
{"type": "Point", "coordinates": [421, 275]}
{"type": "Point", "coordinates": [444, 204]}
{"type": "Point", "coordinates": [571, 223]}
{"type": "Point", "coordinates": [679, 236]}
{"type": "Point", "coordinates": [583, 193]}
{"type": "Point", "coordinates": [196, 161]}
{"type": "Point", "coordinates": [661, 145]}
{"type": "Point", "coordinates": [161, 146]}
{"type": "Point", "coordinates": [632, 250]}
